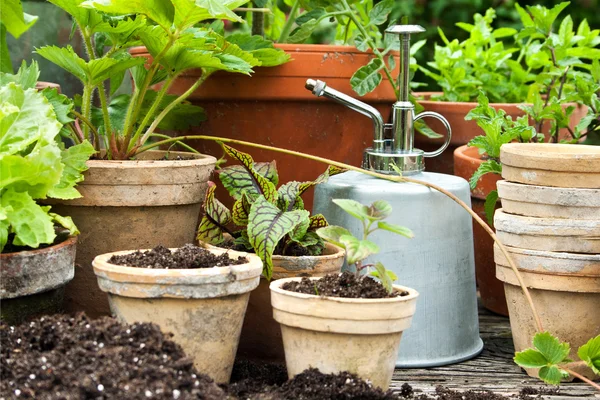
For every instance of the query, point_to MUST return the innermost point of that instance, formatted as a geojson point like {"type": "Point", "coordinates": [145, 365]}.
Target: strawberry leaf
{"type": "Point", "coordinates": [590, 353]}
{"type": "Point", "coordinates": [547, 344]}
{"type": "Point", "coordinates": [552, 374]}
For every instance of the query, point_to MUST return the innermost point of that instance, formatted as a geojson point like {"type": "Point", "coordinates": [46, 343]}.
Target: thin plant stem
{"type": "Point", "coordinates": [579, 376]}
{"type": "Point", "coordinates": [86, 107]}
{"type": "Point", "coordinates": [182, 144]}
{"type": "Point", "coordinates": [287, 28]}
{"type": "Point", "coordinates": [393, 178]}
{"type": "Point", "coordinates": [89, 124]}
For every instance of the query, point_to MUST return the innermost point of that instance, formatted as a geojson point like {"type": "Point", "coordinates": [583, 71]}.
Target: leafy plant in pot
{"type": "Point", "coordinates": [320, 317]}
{"type": "Point", "coordinates": [37, 245]}
{"type": "Point", "coordinates": [272, 223]}
{"type": "Point", "coordinates": [135, 197]}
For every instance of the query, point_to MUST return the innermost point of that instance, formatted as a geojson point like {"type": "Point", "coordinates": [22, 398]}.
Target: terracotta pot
{"type": "Point", "coordinates": [131, 205]}
{"type": "Point", "coordinates": [40, 85]}
{"type": "Point", "coordinates": [32, 282]}
{"type": "Point", "coordinates": [273, 107]}
{"type": "Point", "coordinates": [335, 334]}
{"type": "Point", "coordinates": [546, 164]}
{"type": "Point", "coordinates": [565, 289]}
{"type": "Point", "coordinates": [261, 334]}
{"type": "Point", "coordinates": [463, 131]}
{"type": "Point", "coordinates": [466, 162]}
{"type": "Point", "coordinates": [203, 308]}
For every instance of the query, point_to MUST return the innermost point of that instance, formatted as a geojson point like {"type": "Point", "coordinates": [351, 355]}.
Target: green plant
{"type": "Point", "coordinates": [177, 41]}
{"type": "Point", "coordinates": [272, 220]}
{"type": "Point", "coordinates": [16, 22]}
{"type": "Point", "coordinates": [34, 164]}
{"type": "Point", "coordinates": [357, 250]}
{"type": "Point", "coordinates": [549, 354]}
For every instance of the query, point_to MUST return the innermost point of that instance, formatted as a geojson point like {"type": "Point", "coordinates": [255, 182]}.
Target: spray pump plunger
{"type": "Point", "coordinates": [398, 152]}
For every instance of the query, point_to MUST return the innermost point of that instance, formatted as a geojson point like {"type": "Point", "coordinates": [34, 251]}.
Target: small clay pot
{"type": "Point", "coordinates": [204, 308]}
{"type": "Point", "coordinates": [334, 334]}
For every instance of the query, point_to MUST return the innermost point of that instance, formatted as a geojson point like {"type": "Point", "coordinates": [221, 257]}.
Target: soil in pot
{"type": "Point", "coordinates": [346, 285]}
{"type": "Point", "coordinates": [186, 257]}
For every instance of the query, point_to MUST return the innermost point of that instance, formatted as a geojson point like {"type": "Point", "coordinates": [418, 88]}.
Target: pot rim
{"type": "Point", "coordinates": [201, 159]}
{"type": "Point", "coordinates": [339, 252]}
{"type": "Point", "coordinates": [70, 240]}
{"type": "Point", "coordinates": [275, 286]}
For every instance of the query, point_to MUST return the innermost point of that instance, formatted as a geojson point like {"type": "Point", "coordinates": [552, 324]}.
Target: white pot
{"type": "Point", "coordinates": [336, 334]}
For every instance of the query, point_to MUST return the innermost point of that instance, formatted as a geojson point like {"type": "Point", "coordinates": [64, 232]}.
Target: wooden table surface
{"type": "Point", "coordinates": [492, 370]}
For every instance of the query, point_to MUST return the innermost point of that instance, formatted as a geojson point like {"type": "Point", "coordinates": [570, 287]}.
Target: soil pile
{"type": "Point", "coordinates": [346, 284]}
{"type": "Point", "coordinates": [186, 257]}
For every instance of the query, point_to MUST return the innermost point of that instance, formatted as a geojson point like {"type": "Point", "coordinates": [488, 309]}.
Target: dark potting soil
{"type": "Point", "coordinates": [442, 393]}
{"type": "Point", "coordinates": [168, 157]}
{"type": "Point", "coordinates": [62, 234]}
{"type": "Point", "coordinates": [346, 284]}
{"type": "Point", "coordinates": [294, 249]}
{"type": "Point", "coordinates": [73, 357]}
{"type": "Point", "coordinates": [186, 257]}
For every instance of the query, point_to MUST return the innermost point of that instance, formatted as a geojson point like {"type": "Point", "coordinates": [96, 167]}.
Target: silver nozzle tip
{"type": "Point", "coordinates": [315, 86]}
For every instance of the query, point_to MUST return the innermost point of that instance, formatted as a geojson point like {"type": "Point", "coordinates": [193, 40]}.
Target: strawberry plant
{"type": "Point", "coordinates": [34, 164]}
{"type": "Point", "coordinates": [357, 250]}
{"type": "Point", "coordinates": [270, 220]}
{"type": "Point", "coordinates": [178, 38]}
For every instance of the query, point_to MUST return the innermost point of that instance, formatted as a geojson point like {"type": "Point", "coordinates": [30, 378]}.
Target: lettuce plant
{"type": "Point", "coordinates": [357, 250]}
{"type": "Point", "coordinates": [270, 220]}
{"type": "Point", "coordinates": [178, 40]}
{"type": "Point", "coordinates": [34, 164]}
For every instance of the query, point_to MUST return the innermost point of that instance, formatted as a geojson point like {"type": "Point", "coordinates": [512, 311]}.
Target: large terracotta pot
{"type": "Point", "coordinates": [273, 107]}
{"type": "Point", "coordinates": [466, 162]}
{"type": "Point", "coordinates": [463, 131]}
{"type": "Point", "coordinates": [203, 308]}
{"type": "Point", "coordinates": [32, 282]}
{"type": "Point", "coordinates": [132, 205]}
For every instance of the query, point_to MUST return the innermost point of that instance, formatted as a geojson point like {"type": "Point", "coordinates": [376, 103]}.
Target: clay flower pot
{"type": "Point", "coordinates": [565, 289]}
{"type": "Point", "coordinates": [466, 161]}
{"type": "Point", "coordinates": [463, 131]}
{"type": "Point", "coordinates": [32, 282]}
{"type": "Point", "coordinates": [273, 107]}
{"type": "Point", "coordinates": [261, 334]}
{"type": "Point", "coordinates": [132, 205]}
{"type": "Point", "coordinates": [335, 334]}
{"type": "Point", "coordinates": [204, 308]}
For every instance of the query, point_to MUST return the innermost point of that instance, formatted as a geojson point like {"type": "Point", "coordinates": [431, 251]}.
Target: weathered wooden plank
{"type": "Point", "coordinates": [492, 370]}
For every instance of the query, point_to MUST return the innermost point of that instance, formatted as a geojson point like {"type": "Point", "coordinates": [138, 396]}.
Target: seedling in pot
{"type": "Point", "coordinates": [272, 220]}
{"type": "Point", "coordinates": [357, 250]}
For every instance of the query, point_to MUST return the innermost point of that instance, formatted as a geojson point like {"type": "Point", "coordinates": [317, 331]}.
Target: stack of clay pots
{"type": "Point", "coordinates": [550, 224]}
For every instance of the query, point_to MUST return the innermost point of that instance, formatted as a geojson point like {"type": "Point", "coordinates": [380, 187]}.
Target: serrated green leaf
{"type": "Point", "coordinates": [315, 13]}
{"type": "Point", "coordinates": [65, 222]}
{"type": "Point", "coordinates": [547, 344]}
{"type": "Point", "coordinates": [82, 16]}
{"type": "Point", "coordinates": [357, 250]}
{"type": "Point", "coordinates": [67, 59]}
{"type": "Point", "coordinates": [400, 230]}
{"type": "Point", "coordinates": [303, 32]}
{"type": "Point", "coordinates": [60, 103]}
{"type": "Point", "coordinates": [181, 117]}
{"type": "Point", "coordinates": [74, 160]}
{"type": "Point", "coordinates": [30, 223]}
{"type": "Point", "coordinates": [367, 77]}
{"type": "Point", "coordinates": [552, 374]}
{"type": "Point", "coordinates": [354, 208]}
{"type": "Point", "coordinates": [380, 12]}
{"type": "Point", "coordinates": [530, 358]}
{"type": "Point", "coordinates": [14, 19]}
{"type": "Point", "coordinates": [160, 11]}
{"type": "Point", "coordinates": [26, 76]}
{"type": "Point", "coordinates": [490, 206]}
{"type": "Point", "coordinates": [486, 167]}
{"type": "Point", "coordinates": [267, 225]}
{"type": "Point", "coordinates": [333, 233]}
{"type": "Point", "coordinates": [590, 354]}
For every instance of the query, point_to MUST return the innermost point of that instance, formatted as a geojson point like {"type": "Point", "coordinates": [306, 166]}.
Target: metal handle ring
{"type": "Point", "coordinates": [446, 125]}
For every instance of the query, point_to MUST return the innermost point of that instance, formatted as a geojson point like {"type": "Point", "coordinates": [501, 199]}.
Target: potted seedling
{"type": "Point", "coordinates": [135, 196]}
{"type": "Point", "coordinates": [348, 321]}
{"type": "Point", "coordinates": [37, 245]}
{"type": "Point", "coordinates": [198, 294]}
{"type": "Point", "coordinates": [272, 223]}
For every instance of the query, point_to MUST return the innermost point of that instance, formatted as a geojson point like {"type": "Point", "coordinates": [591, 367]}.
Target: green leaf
{"type": "Point", "coordinates": [74, 160]}
{"type": "Point", "coordinates": [14, 19]}
{"type": "Point", "coordinates": [332, 233]}
{"type": "Point", "coordinates": [530, 358]}
{"type": "Point", "coordinates": [317, 221]}
{"type": "Point", "coordinates": [490, 206]}
{"type": "Point", "coordinates": [386, 277]}
{"type": "Point", "coordinates": [400, 230]}
{"type": "Point", "coordinates": [380, 209]}
{"type": "Point", "coordinates": [486, 167]}
{"type": "Point", "coordinates": [160, 11]}
{"type": "Point", "coordinates": [190, 12]}
{"type": "Point", "coordinates": [181, 117]}
{"type": "Point", "coordinates": [357, 250]}
{"type": "Point", "coordinates": [590, 353]}
{"type": "Point", "coordinates": [554, 351]}
{"type": "Point", "coordinates": [260, 48]}
{"type": "Point", "coordinates": [26, 76]}
{"type": "Point", "coordinates": [354, 208]}
{"type": "Point", "coordinates": [30, 223]}
{"type": "Point", "coordinates": [216, 216]}
{"type": "Point", "coordinates": [367, 77]}
{"type": "Point", "coordinates": [241, 210]}
{"type": "Point", "coordinates": [267, 225]}
{"type": "Point", "coordinates": [303, 32]}
{"type": "Point", "coordinates": [315, 13]}
{"type": "Point", "coordinates": [67, 59]}
{"type": "Point", "coordinates": [83, 16]}
{"type": "Point", "coordinates": [65, 222]}
{"type": "Point", "coordinates": [5, 62]}
{"type": "Point", "coordinates": [552, 374]}
{"type": "Point", "coordinates": [380, 12]}
{"type": "Point", "coordinates": [60, 103]}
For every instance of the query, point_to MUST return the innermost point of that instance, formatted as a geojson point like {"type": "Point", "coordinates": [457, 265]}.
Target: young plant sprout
{"type": "Point", "coordinates": [357, 250]}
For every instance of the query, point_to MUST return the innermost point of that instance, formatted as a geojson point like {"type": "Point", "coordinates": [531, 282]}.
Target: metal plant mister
{"type": "Point", "coordinates": [439, 261]}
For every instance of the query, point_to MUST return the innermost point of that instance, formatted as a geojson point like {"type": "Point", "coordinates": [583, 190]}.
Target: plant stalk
{"type": "Point", "coordinates": [287, 28]}
{"type": "Point", "coordinates": [583, 378]}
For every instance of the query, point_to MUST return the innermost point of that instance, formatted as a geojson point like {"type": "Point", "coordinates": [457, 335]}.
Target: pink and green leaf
{"type": "Point", "coordinates": [216, 216]}
{"type": "Point", "coordinates": [241, 210]}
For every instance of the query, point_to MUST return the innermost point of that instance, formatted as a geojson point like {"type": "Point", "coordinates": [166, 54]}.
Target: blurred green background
{"type": "Point", "coordinates": [54, 27]}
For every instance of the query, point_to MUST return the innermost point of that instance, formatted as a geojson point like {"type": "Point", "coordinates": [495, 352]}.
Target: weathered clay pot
{"type": "Point", "coordinates": [132, 205]}
{"type": "Point", "coordinates": [463, 131]}
{"type": "Point", "coordinates": [335, 334]}
{"type": "Point", "coordinates": [565, 289]}
{"type": "Point", "coordinates": [273, 107]}
{"type": "Point", "coordinates": [546, 164]}
{"type": "Point", "coordinates": [32, 282]}
{"type": "Point", "coordinates": [549, 234]}
{"type": "Point", "coordinates": [203, 308]}
{"type": "Point", "coordinates": [549, 202]}
{"type": "Point", "coordinates": [466, 161]}
{"type": "Point", "coordinates": [261, 334]}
